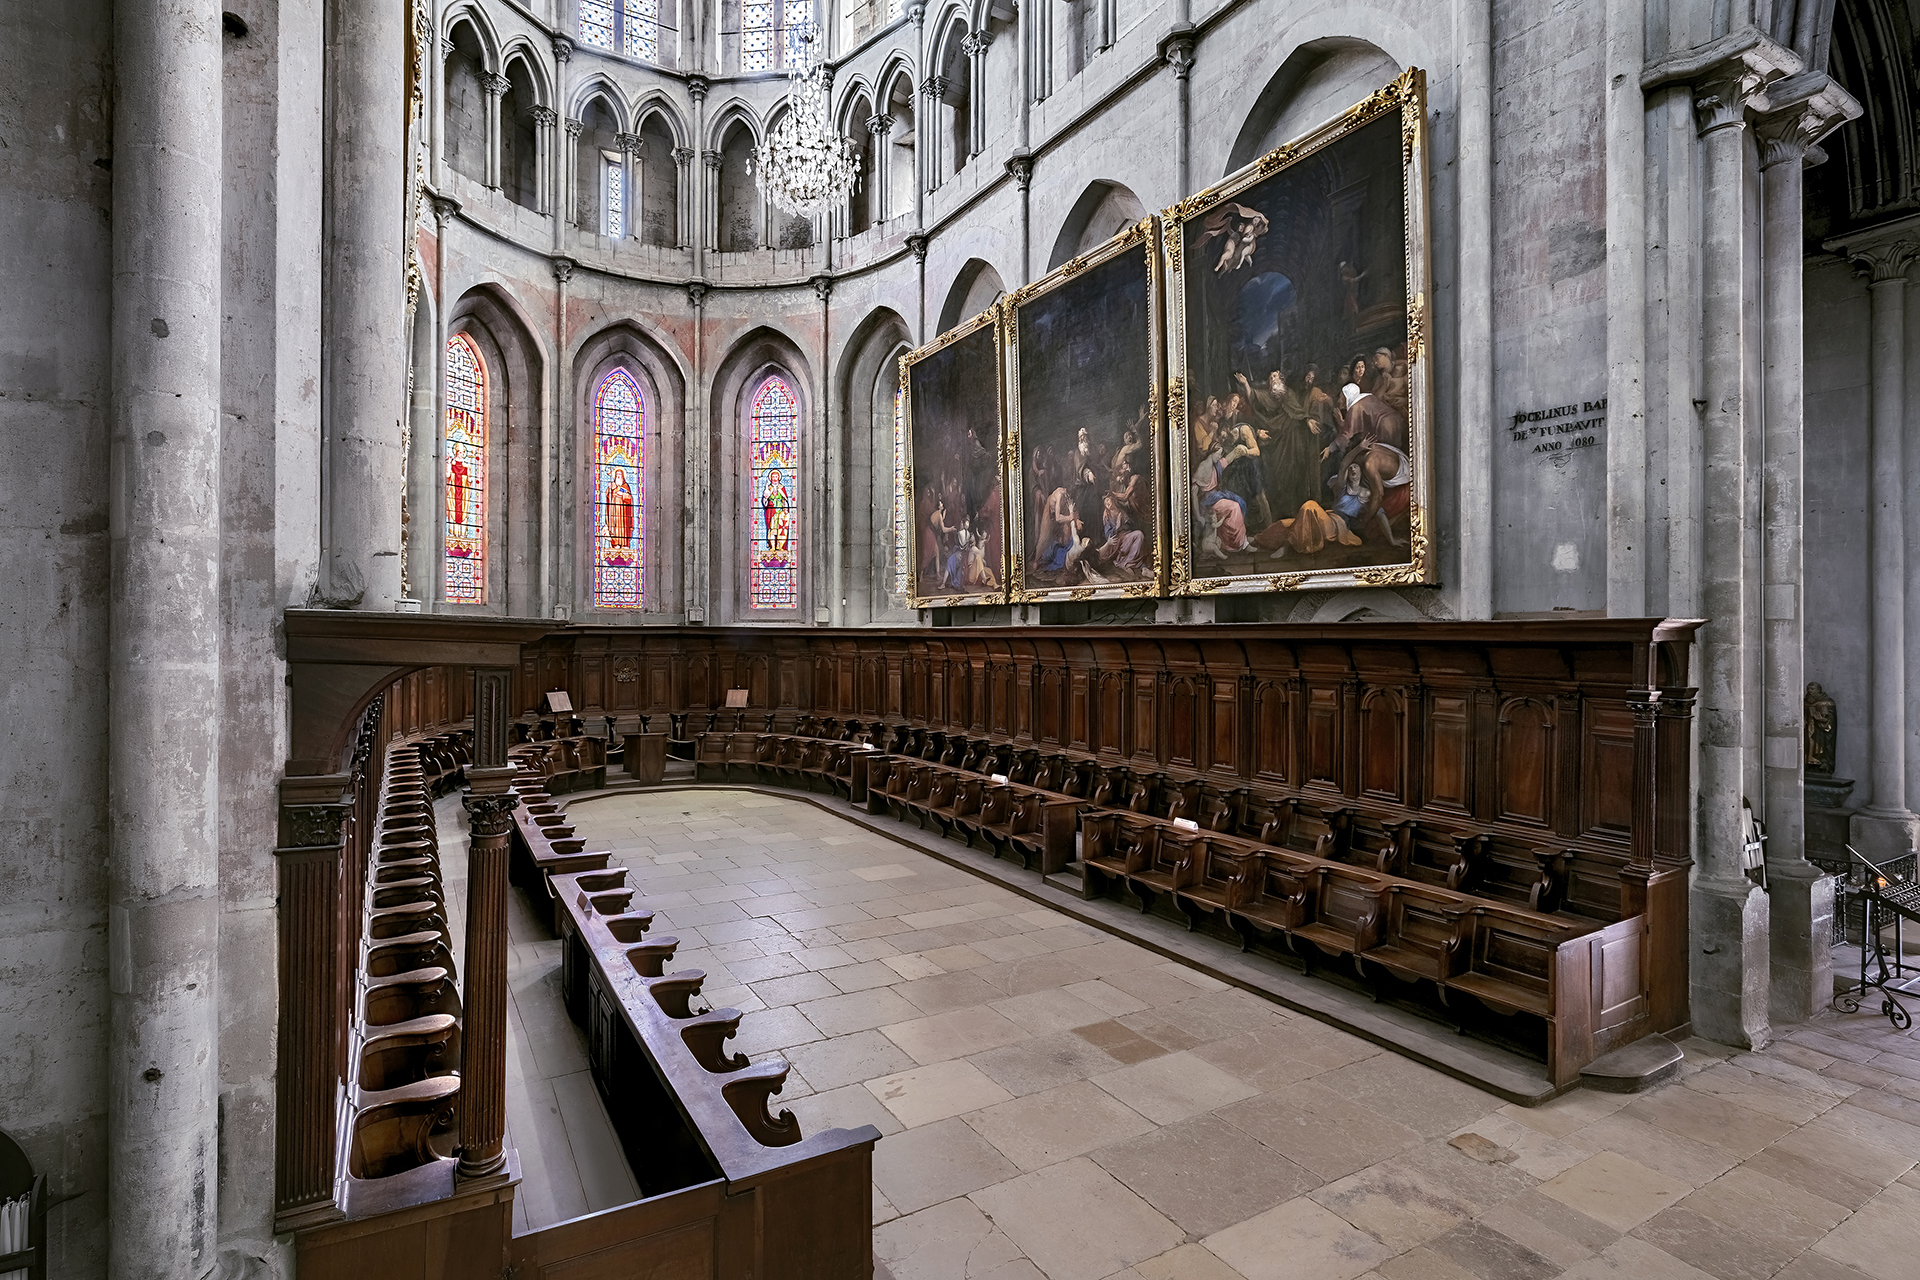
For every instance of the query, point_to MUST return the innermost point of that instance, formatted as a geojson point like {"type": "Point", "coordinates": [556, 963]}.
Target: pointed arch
{"type": "Point", "coordinates": [620, 417]}
{"type": "Point", "coordinates": [463, 102]}
{"type": "Point", "coordinates": [656, 105]}
{"type": "Point", "coordinates": [878, 517]}
{"type": "Point", "coordinates": [521, 50]}
{"type": "Point", "coordinates": [735, 111]}
{"type": "Point", "coordinates": [1318, 80]}
{"type": "Point", "coordinates": [773, 481]}
{"type": "Point", "coordinates": [754, 358]}
{"type": "Point", "coordinates": [484, 34]}
{"type": "Point", "coordinates": [974, 290]}
{"type": "Point", "coordinates": [599, 86]}
{"type": "Point", "coordinates": [495, 326]}
{"type": "Point", "coordinates": [464, 478]}
{"type": "Point", "coordinates": [1103, 210]}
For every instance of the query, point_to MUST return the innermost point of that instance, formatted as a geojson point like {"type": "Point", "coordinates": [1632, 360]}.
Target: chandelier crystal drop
{"type": "Point", "coordinates": [804, 166]}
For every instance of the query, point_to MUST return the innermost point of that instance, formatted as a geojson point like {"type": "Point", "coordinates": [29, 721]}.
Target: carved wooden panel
{"type": "Point", "coordinates": [1050, 708]}
{"type": "Point", "coordinates": [1143, 727]}
{"type": "Point", "coordinates": [1606, 770]}
{"type": "Point", "coordinates": [1448, 733]}
{"type": "Point", "coordinates": [1110, 720]}
{"type": "Point", "coordinates": [1079, 711]}
{"type": "Point", "coordinates": [1186, 706]}
{"type": "Point", "coordinates": [1524, 751]}
{"type": "Point", "coordinates": [1272, 733]}
{"type": "Point", "coordinates": [1383, 756]}
{"type": "Point", "coordinates": [1223, 722]}
{"type": "Point", "coordinates": [1323, 734]}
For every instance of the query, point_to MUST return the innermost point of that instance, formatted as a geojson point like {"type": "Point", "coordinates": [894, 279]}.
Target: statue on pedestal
{"type": "Point", "coordinates": [1822, 730]}
{"type": "Point", "coordinates": [1826, 796]}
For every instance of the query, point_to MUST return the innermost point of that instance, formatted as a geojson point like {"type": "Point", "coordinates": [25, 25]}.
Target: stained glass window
{"type": "Point", "coordinates": [756, 35]}
{"type": "Point", "coordinates": [642, 29]}
{"type": "Point", "coordinates": [773, 472]}
{"type": "Point", "coordinates": [466, 473]}
{"type": "Point", "coordinates": [616, 198]}
{"type": "Point", "coordinates": [619, 532]}
{"type": "Point", "coordinates": [796, 17]}
{"type": "Point", "coordinates": [596, 23]}
{"type": "Point", "coordinates": [902, 500]}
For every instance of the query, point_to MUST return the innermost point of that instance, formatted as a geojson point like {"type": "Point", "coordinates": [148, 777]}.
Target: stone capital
{"type": "Point", "coordinates": [1796, 113]}
{"type": "Point", "coordinates": [562, 48]}
{"type": "Point", "coordinates": [880, 126]}
{"type": "Point", "coordinates": [1020, 166]}
{"type": "Point", "coordinates": [444, 208]}
{"type": "Point", "coordinates": [696, 292]}
{"type": "Point", "coordinates": [1176, 49]}
{"type": "Point", "coordinates": [698, 87]}
{"type": "Point", "coordinates": [682, 155]}
{"type": "Point", "coordinates": [822, 287]}
{"type": "Point", "coordinates": [575, 127]}
{"type": "Point", "coordinates": [935, 87]}
{"type": "Point", "coordinates": [917, 242]}
{"type": "Point", "coordinates": [976, 42]}
{"type": "Point", "coordinates": [563, 268]}
{"type": "Point", "coordinates": [1883, 253]}
{"type": "Point", "coordinates": [545, 117]}
{"type": "Point", "coordinates": [494, 83]}
{"type": "Point", "coordinates": [711, 159]}
{"type": "Point", "coordinates": [918, 13]}
{"type": "Point", "coordinates": [630, 143]}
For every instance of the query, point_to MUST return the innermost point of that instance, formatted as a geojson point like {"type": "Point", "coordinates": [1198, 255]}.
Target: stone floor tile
{"type": "Point", "coordinates": [1575, 1109]}
{"type": "Point", "coordinates": [1789, 1103]}
{"type": "Point", "coordinates": [779, 965]}
{"type": "Point", "coordinates": [1042, 1012]}
{"type": "Point", "coordinates": [1882, 1239]}
{"type": "Point", "coordinates": [1151, 986]}
{"type": "Point", "coordinates": [1204, 1174]}
{"type": "Point", "coordinates": [954, 958]}
{"type": "Point", "coordinates": [1874, 1127]}
{"type": "Point", "coordinates": [861, 1011]}
{"type": "Point", "coordinates": [793, 988]}
{"type": "Point", "coordinates": [911, 966]}
{"type": "Point", "coordinates": [851, 1059]}
{"type": "Point", "coordinates": [950, 1241]}
{"type": "Point", "coordinates": [1814, 1265]}
{"type": "Point", "coordinates": [1168, 1035]}
{"type": "Point", "coordinates": [1711, 1246]}
{"type": "Point", "coordinates": [883, 1210]}
{"type": "Point", "coordinates": [1297, 1239]}
{"type": "Point", "coordinates": [1012, 946]}
{"type": "Point", "coordinates": [1694, 1163]}
{"type": "Point", "coordinates": [1614, 1190]}
{"type": "Point", "coordinates": [1783, 1164]}
{"type": "Point", "coordinates": [1481, 1250]}
{"type": "Point", "coordinates": [1551, 1229]}
{"type": "Point", "coordinates": [1076, 1222]}
{"type": "Point", "coordinates": [847, 1107]}
{"type": "Point", "coordinates": [1830, 1045]}
{"type": "Point", "coordinates": [1534, 1152]}
{"type": "Point", "coordinates": [1106, 997]}
{"type": "Point", "coordinates": [1800, 1055]}
{"type": "Point", "coordinates": [1058, 1124]}
{"type": "Point", "coordinates": [1119, 1041]}
{"type": "Point", "coordinates": [958, 1034]}
{"type": "Point", "coordinates": [1320, 1130]}
{"type": "Point", "coordinates": [1043, 1062]}
{"type": "Point", "coordinates": [1259, 1058]}
{"type": "Point", "coordinates": [936, 1162]}
{"type": "Point", "coordinates": [1736, 1128]}
{"type": "Point", "coordinates": [1034, 973]}
{"type": "Point", "coordinates": [926, 1094]}
{"type": "Point", "coordinates": [1395, 1203]}
{"type": "Point", "coordinates": [1173, 1087]}
{"type": "Point", "coordinates": [1758, 1211]}
{"type": "Point", "coordinates": [1427, 1102]}
{"type": "Point", "coordinates": [1188, 1262]}
{"type": "Point", "coordinates": [1112, 956]}
{"type": "Point", "coordinates": [1421, 1264]}
{"type": "Point", "coordinates": [944, 992]}
{"type": "Point", "coordinates": [814, 956]}
{"type": "Point", "coordinates": [1858, 1073]}
{"type": "Point", "coordinates": [864, 976]}
{"type": "Point", "coordinates": [1630, 1258]}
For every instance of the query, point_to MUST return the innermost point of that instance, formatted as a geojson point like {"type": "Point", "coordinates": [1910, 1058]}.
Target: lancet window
{"type": "Point", "coordinates": [619, 491]}
{"type": "Point", "coordinates": [773, 476]}
{"type": "Point", "coordinates": [465, 479]}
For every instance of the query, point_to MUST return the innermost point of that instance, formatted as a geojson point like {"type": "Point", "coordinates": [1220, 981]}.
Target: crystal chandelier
{"type": "Point", "coordinates": [805, 167]}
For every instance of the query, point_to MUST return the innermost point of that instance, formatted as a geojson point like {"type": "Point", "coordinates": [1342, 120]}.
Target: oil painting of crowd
{"type": "Point", "coordinates": [1086, 355]}
{"type": "Point", "coordinates": [1299, 451]}
{"type": "Point", "coordinates": [954, 442]}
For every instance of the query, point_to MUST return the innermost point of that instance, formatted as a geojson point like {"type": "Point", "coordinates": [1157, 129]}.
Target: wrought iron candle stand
{"type": "Point", "coordinates": [1885, 888]}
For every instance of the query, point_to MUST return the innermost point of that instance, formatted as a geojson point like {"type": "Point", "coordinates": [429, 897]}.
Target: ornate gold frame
{"type": "Point", "coordinates": [1408, 96]}
{"type": "Point", "coordinates": [1142, 236]}
{"type": "Point", "coordinates": [991, 316]}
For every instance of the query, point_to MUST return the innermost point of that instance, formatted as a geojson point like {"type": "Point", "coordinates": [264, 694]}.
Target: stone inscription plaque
{"type": "Point", "coordinates": [1559, 432]}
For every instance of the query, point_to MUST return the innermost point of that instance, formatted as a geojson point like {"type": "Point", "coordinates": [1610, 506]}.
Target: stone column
{"type": "Point", "coordinates": [695, 588]}
{"type": "Point", "coordinates": [1885, 825]}
{"type": "Point", "coordinates": [445, 210]}
{"type": "Point", "coordinates": [710, 161]}
{"type": "Point", "coordinates": [879, 128]}
{"type": "Point", "coordinates": [483, 1053]}
{"type": "Point", "coordinates": [557, 543]}
{"type": "Point", "coordinates": [830, 491]}
{"type": "Point", "coordinates": [683, 221]}
{"type": "Point", "coordinates": [1626, 178]}
{"type": "Point", "coordinates": [1729, 970]}
{"type": "Point", "coordinates": [1178, 53]}
{"type": "Point", "coordinates": [546, 158]}
{"type": "Point", "coordinates": [631, 146]}
{"type": "Point", "coordinates": [565, 149]}
{"type": "Point", "coordinates": [438, 48]}
{"type": "Point", "coordinates": [364, 280]}
{"type": "Point", "coordinates": [494, 85]}
{"type": "Point", "coordinates": [570, 168]}
{"type": "Point", "coordinates": [1801, 898]}
{"type": "Point", "coordinates": [1473, 46]}
{"type": "Point", "coordinates": [975, 46]}
{"type": "Point", "coordinates": [1020, 166]}
{"type": "Point", "coordinates": [699, 225]}
{"type": "Point", "coordinates": [163, 643]}
{"type": "Point", "coordinates": [935, 91]}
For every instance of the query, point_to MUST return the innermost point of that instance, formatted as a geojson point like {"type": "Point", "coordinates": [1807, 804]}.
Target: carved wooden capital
{"type": "Point", "coordinates": [490, 815]}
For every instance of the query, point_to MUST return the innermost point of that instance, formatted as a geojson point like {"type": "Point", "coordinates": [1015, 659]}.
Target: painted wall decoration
{"type": "Point", "coordinates": [773, 474]}
{"type": "Point", "coordinates": [955, 450]}
{"type": "Point", "coordinates": [1300, 393]}
{"type": "Point", "coordinates": [619, 491]}
{"type": "Point", "coordinates": [1084, 434]}
{"type": "Point", "coordinates": [465, 478]}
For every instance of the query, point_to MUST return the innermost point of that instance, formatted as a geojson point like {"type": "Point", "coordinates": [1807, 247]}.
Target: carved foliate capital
{"type": "Point", "coordinates": [935, 87]}
{"type": "Point", "coordinates": [545, 117]}
{"type": "Point", "coordinates": [308, 826]}
{"type": "Point", "coordinates": [822, 287]}
{"type": "Point", "coordinates": [1721, 103]}
{"type": "Point", "coordinates": [575, 127]}
{"type": "Point", "coordinates": [1020, 166]}
{"type": "Point", "coordinates": [490, 815]}
{"type": "Point", "coordinates": [562, 49]}
{"type": "Point", "coordinates": [629, 143]}
{"type": "Point", "coordinates": [918, 13]}
{"type": "Point", "coordinates": [698, 87]}
{"type": "Point", "coordinates": [493, 83]}
{"type": "Point", "coordinates": [1177, 51]}
{"type": "Point", "coordinates": [918, 244]}
{"type": "Point", "coordinates": [880, 126]}
{"type": "Point", "coordinates": [696, 292]}
{"type": "Point", "coordinates": [711, 159]}
{"type": "Point", "coordinates": [563, 268]}
{"type": "Point", "coordinates": [1800, 110]}
{"type": "Point", "coordinates": [976, 43]}
{"type": "Point", "coordinates": [444, 209]}
{"type": "Point", "coordinates": [1885, 261]}
{"type": "Point", "coordinates": [682, 155]}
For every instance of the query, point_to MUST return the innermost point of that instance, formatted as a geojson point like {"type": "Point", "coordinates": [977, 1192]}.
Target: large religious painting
{"type": "Point", "coordinates": [954, 428]}
{"type": "Point", "coordinates": [1083, 431]}
{"type": "Point", "coordinates": [1300, 390]}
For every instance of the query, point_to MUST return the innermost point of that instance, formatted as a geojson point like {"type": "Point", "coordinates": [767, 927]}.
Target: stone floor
{"type": "Point", "coordinates": [1058, 1103]}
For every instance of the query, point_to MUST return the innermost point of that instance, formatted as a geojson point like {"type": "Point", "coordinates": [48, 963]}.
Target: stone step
{"type": "Point", "coordinates": [1648, 1061]}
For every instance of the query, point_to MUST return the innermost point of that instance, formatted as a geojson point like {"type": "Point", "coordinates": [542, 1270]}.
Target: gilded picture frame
{"type": "Point", "coordinates": [953, 409]}
{"type": "Point", "coordinates": [1275, 268]}
{"type": "Point", "coordinates": [1086, 437]}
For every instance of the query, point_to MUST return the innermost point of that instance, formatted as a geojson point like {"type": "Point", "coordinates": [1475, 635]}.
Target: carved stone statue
{"type": "Point", "coordinates": [1822, 729]}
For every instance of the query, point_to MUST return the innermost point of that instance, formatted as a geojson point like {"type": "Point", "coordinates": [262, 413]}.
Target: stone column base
{"type": "Point", "coordinates": [1800, 941]}
{"type": "Point", "coordinates": [1729, 972]}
